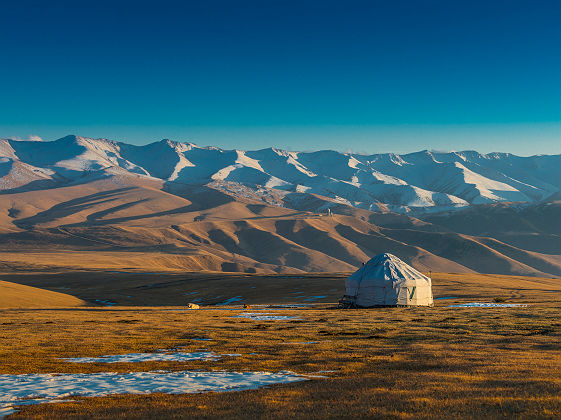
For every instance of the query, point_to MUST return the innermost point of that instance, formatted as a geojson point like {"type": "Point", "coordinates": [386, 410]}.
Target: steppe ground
{"type": "Point", "coordinates": [386, 363]}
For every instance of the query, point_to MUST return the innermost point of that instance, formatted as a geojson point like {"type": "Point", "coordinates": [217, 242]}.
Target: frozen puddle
{"type": "Point", "coordinates": [149, 357]}
{"type": "Point", "coordinates": [40, 388]}
{"type": "Point", "coordinates": [487, 305]}
{"type": "Point", "coordinates": [264, 316]}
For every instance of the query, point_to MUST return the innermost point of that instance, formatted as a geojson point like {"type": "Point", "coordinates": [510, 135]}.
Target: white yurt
{"type": "Point", "coordinates": [385, 280]}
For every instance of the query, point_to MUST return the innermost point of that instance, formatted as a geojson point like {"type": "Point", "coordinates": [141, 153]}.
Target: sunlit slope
{"type": "Point", "coordinates": [140, 223]}
{"type": "Point", "coordinates": [13, 295]}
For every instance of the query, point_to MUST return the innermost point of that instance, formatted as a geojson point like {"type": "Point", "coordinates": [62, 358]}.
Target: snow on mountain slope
{"type": "Point", "coordinates": [15, 174]}
{"type": "Point", "coordinates": [421, 181]}
{"type": "Point", "coordinates": [163, 159]}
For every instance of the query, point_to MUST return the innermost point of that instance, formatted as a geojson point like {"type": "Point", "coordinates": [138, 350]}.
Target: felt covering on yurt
{"type": "Point", "coordinates": [385, 280]}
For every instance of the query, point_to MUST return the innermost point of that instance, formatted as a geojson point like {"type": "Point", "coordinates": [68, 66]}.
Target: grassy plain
{"type": "Point", "coordinates": [388, 363]}
{"type": "Point", "coordinates": [133, 288]}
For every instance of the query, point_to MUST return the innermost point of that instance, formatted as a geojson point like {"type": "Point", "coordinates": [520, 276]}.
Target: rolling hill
{"type": "Point", "coordinates": [13, 295]}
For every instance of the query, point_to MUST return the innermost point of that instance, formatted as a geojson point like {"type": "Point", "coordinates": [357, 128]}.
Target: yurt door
{"type": "Point", "coordinates": [412, 295]}
{"type": "Point", "coordinates": [402, 296]}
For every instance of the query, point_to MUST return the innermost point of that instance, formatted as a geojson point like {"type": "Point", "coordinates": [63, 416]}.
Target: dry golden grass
{"type": "Point", "coordinates": [14, 295]}
{"type": "Point", "coordinates": [390, 363]}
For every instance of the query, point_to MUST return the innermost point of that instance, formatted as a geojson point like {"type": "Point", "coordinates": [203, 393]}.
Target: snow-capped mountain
{"type": "Point", "coordinates": [422, 181]}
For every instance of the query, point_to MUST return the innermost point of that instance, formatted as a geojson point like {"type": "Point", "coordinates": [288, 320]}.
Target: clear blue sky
{"type": "Point", "coordinates": [368, 76]}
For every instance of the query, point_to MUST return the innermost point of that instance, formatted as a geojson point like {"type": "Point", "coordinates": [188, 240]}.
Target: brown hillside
{"type": "Point", "coordinates": [126, 222]}
{"type": "Point", "coordinates": [13, 295]}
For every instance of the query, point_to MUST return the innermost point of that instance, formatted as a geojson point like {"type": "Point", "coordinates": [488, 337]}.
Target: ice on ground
{"type": "Point", "coordinates": [6, 410]}
{"type": "Point", "coordinates": [487, 305]}
{"type": "Point", "coordinates": [446, 297]}
{"type": "Point", "coordinates": [39, 388]}
{"type": "Point", "coordinates": [260, 307]}
{"type": "Point", "coordinates": [230, 301]}
{"type": "Point", "coordinates": [264, 316]}
{"type": "Point", "coordinates": [149, 357]}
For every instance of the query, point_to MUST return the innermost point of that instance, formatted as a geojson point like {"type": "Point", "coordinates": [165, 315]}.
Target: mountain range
{"type": "Point", "coordinates": [422, 181]}
{"type": "Point", "coordinates": [234, 210]}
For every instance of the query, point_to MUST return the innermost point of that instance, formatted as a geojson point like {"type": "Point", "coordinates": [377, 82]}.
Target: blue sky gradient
{"type": "Point", "coordinates": [371, 76]}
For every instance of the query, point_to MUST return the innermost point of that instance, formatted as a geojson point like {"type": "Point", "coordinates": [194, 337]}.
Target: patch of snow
{"type": "Point", "coordinates": [299, 166]}
{"type": "Point", "coordinates": [39, 388]}
{"type": "Point", "coordinates": [183, 163]}
{"type": "Point", "coordinates": [264, 316]}
{"type": "Point", "coordinates": [223, 173]}
{"type": "Point", "coordinates": [245, 160]}
{"type": "Point", "coordinates": [488, 305]}
{"type": "Point", "coordinates": [149, 357]}
{"type": "Point", "coordinates": [302, 188]}
{"type": "Point", "coordinates": [387, 179]}
{"type": "Point", "coordinates": [354, 163]}
{"type": "Point", "coordinates": [275, 182]}
{"type": "Point", "coordinates": [6, 410]}
{"type": "Point", "coordinates": [489, 188]}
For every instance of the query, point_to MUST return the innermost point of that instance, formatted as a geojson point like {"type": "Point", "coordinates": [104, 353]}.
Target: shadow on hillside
{"type": "Point", "coordinates": [201, 196]}
{"type": "Point", "coordinates": [58, 181]}
{"type": "Point", "coordinates": [70, 207]}
{"type": "Point", "coordinates": [37, 185]}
